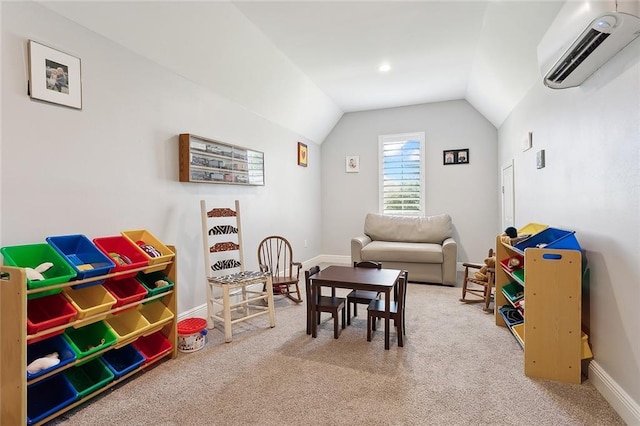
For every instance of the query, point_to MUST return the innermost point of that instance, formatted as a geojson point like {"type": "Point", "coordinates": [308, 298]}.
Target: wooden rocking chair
{"type": "Point", "coordinates": [275, 255]}
{"type": "Point", "coordinates": [480, 290]}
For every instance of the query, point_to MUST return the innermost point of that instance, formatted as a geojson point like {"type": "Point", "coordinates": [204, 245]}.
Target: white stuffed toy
{"type": "Point", "coordinates": [43, 363]}
{"type": "Point", "coordinates": [35, 274]}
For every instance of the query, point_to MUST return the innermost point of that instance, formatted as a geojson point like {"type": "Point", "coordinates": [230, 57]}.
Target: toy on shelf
{"type": "Point", "coordinates": [102, 342]}
{"type": "Point", "coordinates": [511, 236]}
{"type": "Point", "coordinates": [120, 259]}
{"type": "Point", "coordinates": [149, 249]}
{"type": "Point", "coordinates": [35, 274]}
{"type": "Point", "coordinates": [85, 267]}
{"type": "Point", "coordinates": [43, 363]}
{"type": "Point", "coordinates": [481, 274]}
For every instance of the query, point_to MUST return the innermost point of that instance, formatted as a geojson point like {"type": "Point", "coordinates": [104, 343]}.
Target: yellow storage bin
{"type": "Point", "coordinates": [90, 301]}
{"type": "Point", "coordinates": [586, 350]}
{"type": "Point", "coordinates": [152, 248]}
{"type": "Point", "coordinates": [518, 331]}
{"type": "Point", "coordinates": [532, 228]}
{"type": "Point", "coordinates": [157, 314]}
{"type": "Point", "coordinates": [128, 326]}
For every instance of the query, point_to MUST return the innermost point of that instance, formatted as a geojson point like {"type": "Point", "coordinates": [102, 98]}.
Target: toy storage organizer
{"type": "Point", "coordinates": [101, 338]}
{"type": "Point", "coordinates": [540, 302]}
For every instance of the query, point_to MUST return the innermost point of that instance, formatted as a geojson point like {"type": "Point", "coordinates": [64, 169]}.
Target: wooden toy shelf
{"type": "Point", "coordinates": [550, 333]}
{"type": "Point", "coordinates": [14, 339]}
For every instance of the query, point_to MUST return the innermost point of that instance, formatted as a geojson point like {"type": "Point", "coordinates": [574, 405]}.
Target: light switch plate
{"type": "Point", "coordinates": [540, 159]}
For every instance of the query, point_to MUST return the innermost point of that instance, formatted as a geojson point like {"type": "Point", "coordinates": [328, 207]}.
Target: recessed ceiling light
{"type": "Point", "coordinates": [385, 67]}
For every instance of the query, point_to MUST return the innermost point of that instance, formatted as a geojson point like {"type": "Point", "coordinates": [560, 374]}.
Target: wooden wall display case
{"type": "Point", "coordinates": [205, 160]}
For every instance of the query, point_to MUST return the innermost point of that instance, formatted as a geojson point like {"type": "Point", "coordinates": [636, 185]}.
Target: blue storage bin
{"type": "Point", "coordinates": [45, 347]}
{"type": "Point", "coordinates": [122, 361]}
{"type": "Point", "coordinates": [78, 250]}
{"type": "Point", "coordinates": [48, 396]}
{"type": "Point", "coordinates": [552, 238]}
{"type": "Point", "coordinates": [510, 315]}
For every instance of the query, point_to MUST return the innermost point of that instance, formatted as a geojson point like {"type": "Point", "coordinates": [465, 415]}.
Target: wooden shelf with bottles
{"type": "Point", "coordinates": [550, 332]}
{"type": "Point", "coordinates": [14, 338]}
{"type": "Point", "coordinates": [205, 160]}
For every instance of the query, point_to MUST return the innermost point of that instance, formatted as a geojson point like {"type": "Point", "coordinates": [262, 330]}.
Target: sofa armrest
{"type": "Point", "coordinates": [450, 261]}
{"type": "Point", "coordinates": [357, 245]}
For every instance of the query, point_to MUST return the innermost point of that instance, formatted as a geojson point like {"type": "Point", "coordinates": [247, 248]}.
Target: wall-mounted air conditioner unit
{"type": "Point", "coordinates": [603, 28]}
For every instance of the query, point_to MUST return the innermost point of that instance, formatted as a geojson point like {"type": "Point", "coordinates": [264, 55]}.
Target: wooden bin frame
{"type": "Point", "coordinates": [552, 339]}
{"type": "Point", "coordinates": [13, 338]}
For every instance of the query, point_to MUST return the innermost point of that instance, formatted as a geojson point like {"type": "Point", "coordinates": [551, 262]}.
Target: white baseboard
{"type": "Point", "coordinates": [198, 311]}
{"type": "Point", "coordinates": [624, 405]}
{"type": "Point", "coordinates": [335, 259]}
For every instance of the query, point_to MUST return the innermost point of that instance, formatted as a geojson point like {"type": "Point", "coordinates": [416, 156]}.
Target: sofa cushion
{"type": "Point", "coordinates": [412, 229]}
{"type": "Point", "coordinates": [385, 251]}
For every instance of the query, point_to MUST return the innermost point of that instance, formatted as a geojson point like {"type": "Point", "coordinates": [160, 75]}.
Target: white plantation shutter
{"type": "Point", "coordinates": [402, 174]}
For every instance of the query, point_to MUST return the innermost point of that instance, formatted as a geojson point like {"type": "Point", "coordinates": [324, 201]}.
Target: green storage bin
{"type": "Point", "coordinates": [89, 377]}
{"type": "Point", "coordinates": [32, 255]}
{"type": "Point", "coordinates": [88, 340]}
{"type": "Point", "coordinates": [513, 291]}
{"type": "Point", "coordinates": [519, 275]}
{"type": "Point", "coordinates": [149, 282]}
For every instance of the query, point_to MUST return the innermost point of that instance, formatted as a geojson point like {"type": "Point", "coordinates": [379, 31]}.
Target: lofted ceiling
{"type": "Point", "coordinates": [302, 64]}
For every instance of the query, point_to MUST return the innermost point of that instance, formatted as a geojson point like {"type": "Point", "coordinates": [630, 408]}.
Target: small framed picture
{"type": "Point", "coordinates": [302, 155]}
{"type": "Point", "coordinates": [455, 156]}
{"type": "Point", "coordinates": [54, 76]}
{"type": "Point", "coordinates": [352, 164]}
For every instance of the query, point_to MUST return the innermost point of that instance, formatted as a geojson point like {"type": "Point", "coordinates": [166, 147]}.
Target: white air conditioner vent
{"type": "Point", "coordinates": [603, 37]}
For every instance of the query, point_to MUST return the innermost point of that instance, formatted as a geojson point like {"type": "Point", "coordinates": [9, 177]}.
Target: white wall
{"type": "Point", "coordinates": [591, 184]}
{"type": "Point", "coordinates": [467, 192]}
{"type": "Point", "coordinates": [240, 63]}
{"type": "Point", "coordinates": [114, 165]}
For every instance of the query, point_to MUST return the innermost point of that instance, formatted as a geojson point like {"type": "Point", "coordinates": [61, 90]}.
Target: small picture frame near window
{"type": "Point", "coordinates": [352, 164]}
{"type": "Point", "coordinates": [455, 156]}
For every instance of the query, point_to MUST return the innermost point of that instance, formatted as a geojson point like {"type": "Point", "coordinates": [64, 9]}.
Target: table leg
{"type": "Point", "coordinates": [226, 302]}
{"type": "Point", "coordinates": [314, 314]}
{"type": "Point", "coordinates": [387, 314]}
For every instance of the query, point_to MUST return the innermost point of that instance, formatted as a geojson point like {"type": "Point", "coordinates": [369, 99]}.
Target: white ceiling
{"type": "Point", "coordinates": [438, 50]}
{"type": "Point", "coordinates": [322, 56]}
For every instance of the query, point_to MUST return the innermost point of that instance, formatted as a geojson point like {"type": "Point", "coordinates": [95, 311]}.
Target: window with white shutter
{"type": "Point", "coordinates": [402, 179]}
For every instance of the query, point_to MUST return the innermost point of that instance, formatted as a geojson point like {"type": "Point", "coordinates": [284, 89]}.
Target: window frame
{"type": "Point", "coordinates": [399, 137]}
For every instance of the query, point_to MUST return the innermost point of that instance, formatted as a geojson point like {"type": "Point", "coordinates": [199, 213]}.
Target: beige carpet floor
{"type": "Point", "coordinates": [457, 368]}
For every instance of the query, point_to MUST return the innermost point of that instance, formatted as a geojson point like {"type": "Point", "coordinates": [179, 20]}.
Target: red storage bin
{"type": "Point", "coordinates": [124, 254]}
{"type": "Point", "coordinates": [126, 291]}
{"type": "Point", "coordinates": [48, 312]}
{"type": "Point", "coordinates": [518, 263]}
{"type": "Point", "coordinates": [152, 346]}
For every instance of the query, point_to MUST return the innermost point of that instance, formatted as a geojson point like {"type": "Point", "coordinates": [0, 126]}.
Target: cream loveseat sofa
{"type": "Point", "coordinates": [421, 245]}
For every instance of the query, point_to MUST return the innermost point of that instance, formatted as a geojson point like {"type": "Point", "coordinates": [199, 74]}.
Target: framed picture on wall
{"type": "Point", "coordinates": [54, 76]}
{"type": "Point", "coordinates": [352, 163]}
{"type": "Point", "coordinates": [455, 156]}
{"type": "Point", "coordinates": [302, 155]}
